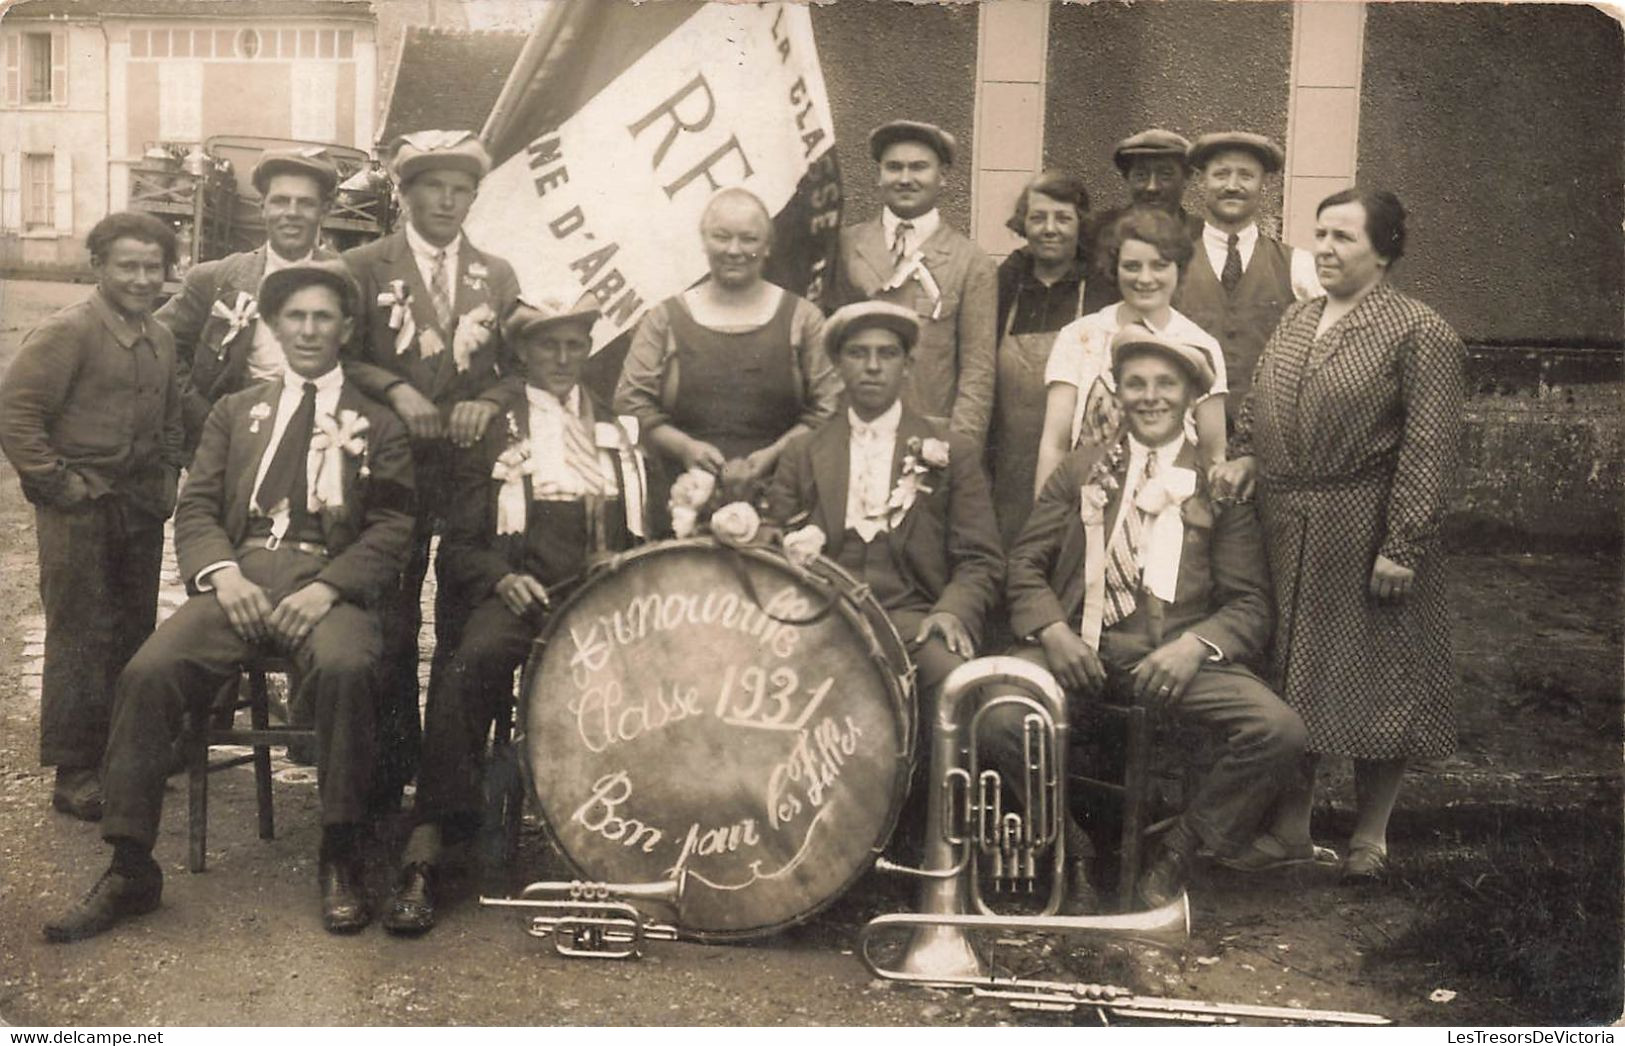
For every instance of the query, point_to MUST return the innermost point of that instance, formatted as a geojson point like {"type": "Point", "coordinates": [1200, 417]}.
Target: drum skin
{"type": "Point", "coordinates": [675, 719]}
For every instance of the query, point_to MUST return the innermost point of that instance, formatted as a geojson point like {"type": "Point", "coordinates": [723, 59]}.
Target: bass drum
{"type": "Point", "coordinates": [719, 711]}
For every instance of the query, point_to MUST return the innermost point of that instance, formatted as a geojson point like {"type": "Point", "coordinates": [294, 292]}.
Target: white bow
{"type": "Point", "coordinates": [1161, 497]}
{"type": "Point", "coordinates": [914, 266]}
{"type": "Point", "coordinates": [510, 469]}
{"type": "Point", "coordinates": [401, 320]}
{"type": "Point", "coordinates": [333, 439]}
{"type": "Point", "coordinates": [238, 316]}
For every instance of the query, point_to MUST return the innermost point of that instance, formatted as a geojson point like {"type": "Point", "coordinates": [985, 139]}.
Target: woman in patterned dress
{"type": "Point", "coordinates": [1352, 432]}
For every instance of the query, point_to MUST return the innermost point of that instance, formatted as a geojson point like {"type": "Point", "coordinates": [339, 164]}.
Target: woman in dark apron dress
{"type": "Point", "coordinates": [1042, 288]}
{"type": "Point", "coordinates": [722, 376]}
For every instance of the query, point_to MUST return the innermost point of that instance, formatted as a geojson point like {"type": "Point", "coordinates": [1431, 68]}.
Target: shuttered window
{"type": "Point", "coordinates": [39, 191]}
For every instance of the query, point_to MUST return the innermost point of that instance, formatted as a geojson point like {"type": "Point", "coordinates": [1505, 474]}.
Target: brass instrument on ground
{"type": "Point", "coordinates": [596, 920]}
{"type": "Point", "coordinates": [1108, 1001]}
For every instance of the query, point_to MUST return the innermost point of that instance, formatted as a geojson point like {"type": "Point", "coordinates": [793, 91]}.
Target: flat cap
{"type": "Point", "coordinates": [1272, 156]}
{"type": "Point", "coordinates": [1155, 142]}
{"type": "Point", "coordinates": [279, 286]}
{"type": "Point", "coordinates": [862, 315]}
{"type": "Point", "coordinates": [412, 154]}
{"type": "Point", "coordinates": [1136, 338]}
{"type": "Point", "coordinates": [928, 134]}
{"type": "Point", "coordinates": [530, 315]}
{"type": "Point", "coordinates": [312, 162]}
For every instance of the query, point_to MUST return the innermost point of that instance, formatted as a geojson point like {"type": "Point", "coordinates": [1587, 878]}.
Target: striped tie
{"type": "Point", "coordinates": [440, 290]}
{"type": "Point", "coordinates": [1123, 556]}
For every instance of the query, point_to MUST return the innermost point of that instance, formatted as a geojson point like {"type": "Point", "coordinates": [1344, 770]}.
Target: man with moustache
{"type": "Point", "coordinates": [1240, 281]}
{"type": "Point", "coordinates": [428, 343]}
{"type": "Point", "coordinates": [292, 527]}
{"type": "Point", "coordinates": [90, 417]}
{"type": "Point", "coordinates": [220, 342]}
{"type": "Point", "coordinates": [909, 256]}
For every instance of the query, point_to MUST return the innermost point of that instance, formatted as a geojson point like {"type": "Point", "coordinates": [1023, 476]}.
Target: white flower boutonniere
{"type": "Point", "coordinates": [914, 268]}
{"type": "Point", "coordinates": [259, 413]}
{"type": "Point", "coordinates": [336, 438]}
{"type": "Point", "coordinates": [398, 300]}
{"type": "Point", "coordinates": [473, 331]}
{"type": "Point", "coordinates": [474, 278]}
{"type": "Point", "coordinates": [923, 460]}
{"type": "Point", "coordinates": [239, 317]}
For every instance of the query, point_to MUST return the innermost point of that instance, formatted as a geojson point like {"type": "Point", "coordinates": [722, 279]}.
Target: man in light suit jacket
{"type": "Point", "coordinates": [221, 345]}
{"type": "Point", "coordinates": [428, 343]}
{"type": "Point", "coordinates": [910, 257]}
{"type": "Point", "coordinates": [1130, 579]}
{"type": "Point", "coordinates": [553, 489]}
{"type": "Point", "coordinates": [292, 527]}
{"type": "Point", "coordinates": [895, 498]}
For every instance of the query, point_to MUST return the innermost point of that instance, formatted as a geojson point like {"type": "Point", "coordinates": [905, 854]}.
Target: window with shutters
{"type": "Point", "coordinates": [37, 68]}
{"type": "Point", "coordinates": [39, 191]}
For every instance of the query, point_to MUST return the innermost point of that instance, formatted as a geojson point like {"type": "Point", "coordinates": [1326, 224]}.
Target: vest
{"type": "Point", "coordinates": [1242, 322]}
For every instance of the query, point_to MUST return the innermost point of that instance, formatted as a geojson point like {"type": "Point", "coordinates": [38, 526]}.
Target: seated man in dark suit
{"type": "Point", "coordinates": [898, 500]}
{"type": "Point", "coordinates": [293, 525]}
{"type": "Point", "coordinates": [1130, 579]}
{"type": "Point", "coordinates": [550, 488]}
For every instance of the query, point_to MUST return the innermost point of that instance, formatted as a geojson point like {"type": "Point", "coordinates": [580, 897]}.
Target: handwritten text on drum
{"type": "Point", "coordinates": [610, 792]}
{"type": "Point", "coordinates": [763, 699]}
{"type": "Point", "coordinates": [814, 764]}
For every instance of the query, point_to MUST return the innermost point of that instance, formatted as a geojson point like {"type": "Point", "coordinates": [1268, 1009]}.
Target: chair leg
{"type": "Point", "coordinates": [260, 717]}
{"type": "Point", "coordinates": [197, 790]}
{"type": "Point", "coordinates": [1136, 781]}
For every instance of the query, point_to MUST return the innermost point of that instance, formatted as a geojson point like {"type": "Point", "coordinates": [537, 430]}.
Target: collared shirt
{"type": "Point", "coordinates": [1216, 242]}
{"type": "Point", "coordinates": [553, 477]}
{"type": "Point", "coordinates": [925, 226]}
{"type": "Point", "coordinates": [265, 357]}
{"type": "Point", "coordinates": [868, 486]}
{"type": "Point", "coordinates": [1028, 305]}
{"type": "Point", "coordinates": [423, 252]}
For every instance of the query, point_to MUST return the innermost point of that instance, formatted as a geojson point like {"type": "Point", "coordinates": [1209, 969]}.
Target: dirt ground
{"type": "Point", "coordinates": [1538, 772]}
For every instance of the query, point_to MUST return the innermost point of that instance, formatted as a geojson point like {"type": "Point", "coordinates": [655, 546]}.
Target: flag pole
{"type": "Point", "coordinates": [530, 59]}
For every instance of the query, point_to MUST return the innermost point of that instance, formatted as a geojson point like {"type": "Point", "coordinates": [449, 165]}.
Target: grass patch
{"type": "Point", "coordinates": [1529, 900]}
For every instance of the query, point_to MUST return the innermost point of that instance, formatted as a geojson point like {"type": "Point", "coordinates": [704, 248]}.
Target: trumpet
{"type": "Point", "coordinates": [1109, 1001]}
{"type": "Point", "coordinates": [588, 920]}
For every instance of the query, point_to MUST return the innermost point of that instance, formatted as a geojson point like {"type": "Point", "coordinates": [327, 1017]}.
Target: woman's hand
{"type": "Point", "coordinates": [1234, 480]}
{"type": "Point", "coordinates": [740, 476]}
{"type": "Point", "coordinates": [697, 454]}
{"type": "Point", "coordinates": [1390, 582]}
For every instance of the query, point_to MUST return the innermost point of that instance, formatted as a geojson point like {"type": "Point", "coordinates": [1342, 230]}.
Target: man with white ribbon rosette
{"type": "Point", "coordinates": [554, 486]}
{"type": "Point", "coordinates": [1131, 582]}
{"type": "Point", "coordinates": [428, 343]}
{"type": "Point", "coordinates": [221, 343]}
{"type": "Point", "coordinates": [898, 500]}
{"type": "Point", "coordinates": [290, 532]}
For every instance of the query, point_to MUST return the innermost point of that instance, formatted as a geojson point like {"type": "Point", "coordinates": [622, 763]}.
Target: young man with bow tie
{"type": "Point", "coordinates": [291, 529]}
{"type": "Point", "coordinates": [221, 342]}
{"type": "Point", "coordinates": [554, 486]}
{"type": "Point", "coordinates": [898, 500]}
{"type": "Point", "coordinates": [1130, 581]}
{"type": "Point", "coordinates": [428, 343]}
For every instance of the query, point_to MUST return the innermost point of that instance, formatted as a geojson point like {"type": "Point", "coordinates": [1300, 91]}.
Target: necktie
{"type": "Point", "coordinates": [1123, 556]}
{"type": "Point", "coordinates": [1232, 265]}
{"type": "Point", "coordinates": [899, 246]}
{"type": "Point", "coordinates": [440, 289]}
{"type": "Point", "coordinates": [286, 476]}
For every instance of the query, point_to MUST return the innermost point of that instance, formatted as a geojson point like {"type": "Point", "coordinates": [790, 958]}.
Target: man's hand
{"type": "Point", "coordinates": [1234, 480]}
{"type": "Point", "coordinates": [1163, 674]}
{"type": "Point", "coordinates": [1390, 582]}
{"type": "Point", "coordinates": [697, 454]}
{"type": "Point", "coordinates": [299, 612]}
{"type": "Point", "coordinates": [468, 421]}
{"type": "Point", "coordinates": [522, 594]}
{"type": "Point", "coordinates": [1072, 660]}
{"type": "Point", "coordinates": [951, 629]}
{"type": "Point", "coordinates": [422, 417]}
{"type": "Point", "coordinates": [246, 605]}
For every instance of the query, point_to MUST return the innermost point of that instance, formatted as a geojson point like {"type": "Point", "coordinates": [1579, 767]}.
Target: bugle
{"type": "Point", "coordinates": [588, 920]}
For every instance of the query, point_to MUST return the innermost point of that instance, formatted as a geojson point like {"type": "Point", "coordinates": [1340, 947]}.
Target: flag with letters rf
{"type": "Point", "coordinates": [619, 122]}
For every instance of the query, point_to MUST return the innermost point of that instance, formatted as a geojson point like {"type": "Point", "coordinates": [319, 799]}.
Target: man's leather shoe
{"type": "Point", "coordinates": [115, 896]}
{"type": "Point", "coordinates": [78, 792]}
{"type": "Point", "coordinates": [1163, 880]}
{"type": "Point", "coordinates": [412, 910]}
{"type": "Point", "coordinates": [1081, 898]}
{"type": "Point", "coordinates": [344, 904]}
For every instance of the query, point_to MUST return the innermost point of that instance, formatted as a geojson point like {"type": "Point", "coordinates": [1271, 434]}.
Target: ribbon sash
{"type": "Point", "coordinates": [1164, 496]}
{"type": "Point", "coordinates": [915, 267]}
{"type": "Point", "coordinates": [511, 468]}
{"type": "Point", "coordinates": [335, 438]}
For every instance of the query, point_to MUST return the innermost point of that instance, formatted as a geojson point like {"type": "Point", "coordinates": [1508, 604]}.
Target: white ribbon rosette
{"type": "Point", "coordinates": [1161, 497]}
{"type": "Point", "coordinates": [803, 546]}
{"type": "Point", "coordinates": [239, 317]}
{"type": "Point", "coordinates": [914, 267]}
{"type": "Point", "coordinates": [334, 439]}
{"type": "Point", "coordinates": [510, 469]}
{"type": "Point", "coordinates": [735, 523]}
{"type": "Point", "coordinates": [473, 331]}
{"type": "Point", "coordinates": [401, 321]}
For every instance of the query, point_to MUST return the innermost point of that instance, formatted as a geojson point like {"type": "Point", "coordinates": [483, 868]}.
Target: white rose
{"type": "Point", "coordinates": [934, 453]}
{"type": "Point", "coordinates": [803, 546]}
{"type": "Point", "coordinates": [735, 523]}
{"type": "Point", "coordinates": [693, 489]}
{"type": "Point", "coordinates": [684, 521]}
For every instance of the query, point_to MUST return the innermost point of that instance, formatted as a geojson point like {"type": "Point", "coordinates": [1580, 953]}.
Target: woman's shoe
{"type": "Point", "coordinates": [1365, 864]}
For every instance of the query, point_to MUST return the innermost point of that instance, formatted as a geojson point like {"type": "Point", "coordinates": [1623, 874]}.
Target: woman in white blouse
{"type": "Point", "coordinates": [1146, 252]}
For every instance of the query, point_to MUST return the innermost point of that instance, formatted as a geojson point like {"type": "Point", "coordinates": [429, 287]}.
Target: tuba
{"type": "Point", "coordinates": [967, 828]}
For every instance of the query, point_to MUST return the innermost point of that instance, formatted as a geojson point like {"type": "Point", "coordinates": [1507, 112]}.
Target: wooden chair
{"type": "Point", "coordinates": [260, 736]}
